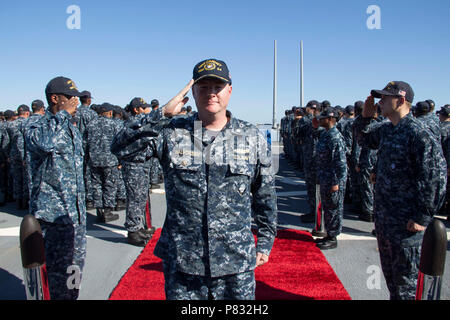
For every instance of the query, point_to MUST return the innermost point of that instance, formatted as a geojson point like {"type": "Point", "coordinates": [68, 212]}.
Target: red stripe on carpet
{"type": "Point", "coordinates": [297, 270]}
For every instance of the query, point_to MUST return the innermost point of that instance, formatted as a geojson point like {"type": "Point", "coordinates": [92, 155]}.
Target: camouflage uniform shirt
{"type": "Point", "coordinates": [410, 173]}
{"type": "Point", "coordinates": [214, 188]}
{"type": "Point", "coordinates": [56, 164]}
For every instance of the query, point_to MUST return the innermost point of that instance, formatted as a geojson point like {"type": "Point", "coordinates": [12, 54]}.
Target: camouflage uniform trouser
{"type": "Point", "coordinates": [400, 265]}
{"type": "Point", "coordinates": [154, 170]}
{"type": "Point", "coordinates": [445, 209]}
{"type": "Point", "coordinates": [137, 184]}
{"type": "Point", "coordinates": [9, 181]}
{"type": "Point", "coordinates": [310, 180]}
{"type": "Point", "coordinates": [182, 286]}
{"type": "Point", "coordinates": [121, 191]}
{"type": "Point", "coordinates": [3, 181]}
{"type": "Point", "coordinates": [88, 179]}
{"type": "Point", "coordinates": [104, 186]}
{"type": "Point", "coordinates": [354, 183]}
{"type": "Point", "coordinates": [65, 253]}
{"type": "Point", "coordinates": [366, 191]}
{"type": "Point", "coordinates": [18, 175]}
{"type": "Point", "coordinates": [299, 156]}
{"type": "Point", "coordinates": [333, 208]}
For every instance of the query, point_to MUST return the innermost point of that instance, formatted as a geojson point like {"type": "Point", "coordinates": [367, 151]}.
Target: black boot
{"type": "Point", "coordinates": [19, 204]}
{"type": "Point", "coordinates": [319, 240]}
{"type": "Point", "coordinates": [89, 205]}
{"type": "Point", "coordinates": [147, 233]}
{"type": "Point", "coordinates": [25, 204]}
{"type": "Point", "coordinates": [308, 218]}
{"type": "Point", "coordinates": [327, 243]}
{"type": "Point", "coordinates": [136, 239]}
{"type": "Point", "coordinates": [108, 216]}
{"type": "Point", "coordinates": [368, 217]}
{"type": "Point", "coordinates": [100, 215]}
{"type": "Point", "coordinates": [121, 205]}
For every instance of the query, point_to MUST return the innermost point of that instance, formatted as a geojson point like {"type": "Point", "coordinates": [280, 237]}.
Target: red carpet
{"type": "Point", "coordinates": [297, 270]}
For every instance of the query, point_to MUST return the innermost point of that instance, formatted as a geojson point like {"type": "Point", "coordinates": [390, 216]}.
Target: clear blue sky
{"type": "Point", "coordinates": [148, 48]}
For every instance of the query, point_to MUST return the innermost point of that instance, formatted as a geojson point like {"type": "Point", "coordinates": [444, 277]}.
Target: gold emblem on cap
{"type": "Point", "coordinates": [73, 86]}
{"type": "Point", "coordinates": [210, 65]}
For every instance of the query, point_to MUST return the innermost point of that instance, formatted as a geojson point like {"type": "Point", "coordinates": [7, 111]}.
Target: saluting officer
{"type": "Point", "coordinates": [410, 183]}
{"type": "Point", "coordinates": [218, 176]}
{"type": "Point", "coordinates": [55, 153]}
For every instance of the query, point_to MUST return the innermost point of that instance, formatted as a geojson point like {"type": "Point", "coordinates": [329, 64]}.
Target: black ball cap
{"type": "Point", "coordinates": [396, 89]}
{"type": "Point", "coordinates": [328, 112]}
{"type": "Point", "coordinates": [23, 108]}
{"type": "Point", "coordinates": [423, 107]}
{"type": "Point", "coordinates": [106, 107]}
{"type": "Point", "coordinates": [313, 104]}
{"type": "Point", "coordinates": [85, 94]}
{"type": "Point", "coordinates": [154, 103]}
{"type": "Point", "coordinates": [350, 109]}
{"type": "Point", "coordinates": [38, 103]}
{"type": "Point", "coordinates": [137, 103]}
{"type": "Point", "coordinates": [9, 114]}
{"type": "Point", "coordinates": [445, 110]}
{"type": "Point", "coordinates": [211, 68]}
{"type": "Point", "coordinates": [325, 104]}
{"type": "Point", "coordinates": [62, 85]}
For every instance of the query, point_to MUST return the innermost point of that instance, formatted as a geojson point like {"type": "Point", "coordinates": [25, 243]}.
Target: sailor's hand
{"type": "Point", "coordinates": [414, 227]}
{"type": "Point", "coordinates": [334, 188]}
{"type": "Point", "coordinates": [261, 259]}
{"type": "Point", "coordinates": [173, 107]}
{"type": "Point", "coordinates": [369, 109]}
{"type": "Point", "coordinates": [71, 105]}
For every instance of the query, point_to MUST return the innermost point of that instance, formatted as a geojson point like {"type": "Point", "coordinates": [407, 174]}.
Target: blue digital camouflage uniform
{"type": "Point", "coordinates": [345, 128]}
{"type": "Point", "coordinates": [4, 143]}
{"type": "Point", "coordinates": [283, 131]}
{"type": "Point", "coordinates": [55, 160]}
{"type": "Point", "coordinates": [297, 143]}
{"type": "Point", "coordinates": [445, 141]}
{"type": "Point", "coordinates": [104, 165]}
{"type": "Point", "coordinates": [355, 152]}
{"type": "Point", "coordinates": [120, 184]}
{"type": "Point", "coordinates": [214, 186]}
{"type": "Point", "coordinates": [431, 122]}
{"type": "Point", "coordinates": [331, 171]}
{"type": "Point", "coordinates": [136, 175]}
{"type": "Point", "coordinates": [288, 150]}
{"type": "Point", "coordinates": [367, 162]}
{"type": "Point", "coordinates": [27, 174]}
{"type": "Point", "coordinates": [16, 156]}
{"type": "Point", "coordinates": [84, 116]}
{"type": "Point", "coordinates": [410, 185]}
{"type": "Point", "coordinates": [310, 136]}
